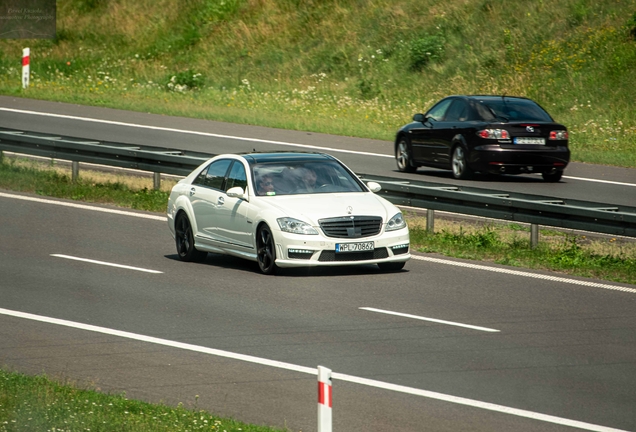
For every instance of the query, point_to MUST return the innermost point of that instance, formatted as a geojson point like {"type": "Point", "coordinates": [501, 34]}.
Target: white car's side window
{"type": "Point", "coordinates": [216, 174]}
{"type": "Point", "coordinates": [237, 177]}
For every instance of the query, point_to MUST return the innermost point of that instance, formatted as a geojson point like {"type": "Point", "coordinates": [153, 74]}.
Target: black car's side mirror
{"type": "Point", "coordinates": [419, 117]}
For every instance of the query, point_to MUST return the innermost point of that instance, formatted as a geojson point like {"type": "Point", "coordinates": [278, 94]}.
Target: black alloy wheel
{"type": "Point", "coordinates": [403, 156]}
{"type": "Point", "coordinates": [185, 241]}
{"type": "Point", "coordinates": [461, 171]}
{"type": "Point", "coordinates": [266, 250]}
{"type": "Point", "coordinates": [552, 177]}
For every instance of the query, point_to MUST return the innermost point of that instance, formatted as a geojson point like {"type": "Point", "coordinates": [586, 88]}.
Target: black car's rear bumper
{"type": "Point", "coordinates": [517, 160]}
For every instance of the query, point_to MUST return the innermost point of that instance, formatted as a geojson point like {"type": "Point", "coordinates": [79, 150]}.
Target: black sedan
{"type": "Point", "coordinates": [486, 134]}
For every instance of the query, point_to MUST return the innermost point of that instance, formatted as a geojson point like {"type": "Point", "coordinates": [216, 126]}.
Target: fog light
{"type": "Point", "coordinates": [400, 249]}
{"type": "Point", "coordinates": [302, 254]}
{"type": "Point", "coordinates": [300, 251]}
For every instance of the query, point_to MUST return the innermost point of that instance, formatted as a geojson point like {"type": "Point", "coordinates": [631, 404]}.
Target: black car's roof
{"type": "Point", "coordinates": [285, 156]}
{"type": "Point", "coordinates": [492, 97]}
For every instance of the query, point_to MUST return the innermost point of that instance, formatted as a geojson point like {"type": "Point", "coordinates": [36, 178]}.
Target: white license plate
{"type": "Point", "coordinates": [528, 140]}
{"type": "Point", "coordinates": [355, 247]}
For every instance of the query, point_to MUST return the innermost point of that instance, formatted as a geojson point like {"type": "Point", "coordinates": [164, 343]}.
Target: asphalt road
{"type": "Point", "coordinates": [557, 347]}
{"type": "Point", "coordinates": [444, 345]}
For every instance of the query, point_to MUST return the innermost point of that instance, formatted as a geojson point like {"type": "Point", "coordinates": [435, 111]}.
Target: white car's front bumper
{"type": "Point", "coordinates": [294, 250]}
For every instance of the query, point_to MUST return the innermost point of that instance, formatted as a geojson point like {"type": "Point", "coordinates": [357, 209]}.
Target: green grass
{"type": "Point", "coordinates": [38, 403]}
{"type": "Point", "coordinates": [509, 244]}
{"type": "Point", "coordinates": [346, 67]}
{"type": "Point", "coordinates": [54, 183]}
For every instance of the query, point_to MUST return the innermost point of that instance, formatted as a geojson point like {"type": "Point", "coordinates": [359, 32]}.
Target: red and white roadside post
{"type": "Point", "coordinates": [26, 52]}
{"type": "Point", "coordinates": [324, 399]}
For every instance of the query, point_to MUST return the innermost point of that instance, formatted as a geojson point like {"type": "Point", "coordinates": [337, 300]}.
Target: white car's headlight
{"type": "Point", "coordinates": [295, 226]}
{"type": "Point", "coordinates": [396, 222]}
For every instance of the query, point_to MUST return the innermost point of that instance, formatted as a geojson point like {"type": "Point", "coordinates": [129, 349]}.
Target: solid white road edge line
{"type": "Point", "coordinates": [314, 371]}
{"type": "Point", "coordinates": [84, 207]}
{"type": "Point", "coordinates": [208, 134]}
{"type": "Point", "coordinates": [105, 263]}
{"type": "Point", "coordinates": [525, 274]}
{"type": "Point", "coordinates": [600, 181]}
{"type": "Point", "coordinates": [417, 317]}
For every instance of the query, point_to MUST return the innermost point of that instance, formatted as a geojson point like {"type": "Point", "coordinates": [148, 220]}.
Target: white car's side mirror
{"type": "Point", "coordinates": [374, 187]}
{"type": "Point", "coordinates": [236, 192]}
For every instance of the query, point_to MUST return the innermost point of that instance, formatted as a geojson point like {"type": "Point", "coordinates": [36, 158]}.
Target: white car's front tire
{"type": "Point", "coordinates": [266, 250]}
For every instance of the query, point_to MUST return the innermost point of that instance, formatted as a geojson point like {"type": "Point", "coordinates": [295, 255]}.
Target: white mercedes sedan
{"type": "Point", "coordinates": [287, 209]}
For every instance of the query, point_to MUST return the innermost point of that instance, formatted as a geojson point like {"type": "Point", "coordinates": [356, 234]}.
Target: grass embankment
{"type": "Point", "coordinates": [38, 403]}
{"type": "Point", "coordinates": [358, 68]}
{"type": "Point", "coordinates": [502, 243]}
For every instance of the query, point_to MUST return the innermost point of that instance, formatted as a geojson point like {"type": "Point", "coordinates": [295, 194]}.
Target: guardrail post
{"type": "Point", "coordinates": [156, 181]}
{"type": "Point", "coordinates": [74, 171]}
{"type": "Point", "coordinates": [324, 399]}
{"type": "Point", "coordinates": [534, 235]}
{"type": "Point", "coordinates": [430, 220]}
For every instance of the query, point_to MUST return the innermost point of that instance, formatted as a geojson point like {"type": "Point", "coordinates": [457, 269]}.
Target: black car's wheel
{"type": "Point", "coordinates": [403, 156]}
{"type": "Point", "coordinates": [459, 164]}
{"type": "Point", "coordinates": [552, 177]}
{"type": "Point", "coordinates": [391, 266]}
{"type": "Point", "coordinates": [185, 241]}
{"type": "Point", "coordinates": [266, 250]}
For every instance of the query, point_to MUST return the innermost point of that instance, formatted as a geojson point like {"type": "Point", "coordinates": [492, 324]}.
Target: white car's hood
{"type": "Point", "coordinates": [311, 208]}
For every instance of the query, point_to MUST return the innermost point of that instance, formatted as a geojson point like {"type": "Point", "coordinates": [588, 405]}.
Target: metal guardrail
{"type": "Point", "coordinates": [533, 209]}
{"type": "Point", "coordinates": [145, 158]}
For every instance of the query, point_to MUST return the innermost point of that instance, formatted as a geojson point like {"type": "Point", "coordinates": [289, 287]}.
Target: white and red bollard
{"type": "Point", "coordinates": [324, 399]}
{"type": "Point", "coordinates": [26, 52]}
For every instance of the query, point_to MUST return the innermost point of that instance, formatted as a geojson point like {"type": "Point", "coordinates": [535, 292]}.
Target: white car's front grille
{"type": "Point", "coordinates": [351, 226]}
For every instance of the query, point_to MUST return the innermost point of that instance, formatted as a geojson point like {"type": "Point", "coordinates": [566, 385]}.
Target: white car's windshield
{"type": "Point", "coordinates": [296, 177]}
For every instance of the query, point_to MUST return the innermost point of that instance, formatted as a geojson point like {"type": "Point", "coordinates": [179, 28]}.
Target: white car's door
{"type": "Point", "coordinates": [232, 221]}
{"type": "Point", "coordinates": [207, 199]}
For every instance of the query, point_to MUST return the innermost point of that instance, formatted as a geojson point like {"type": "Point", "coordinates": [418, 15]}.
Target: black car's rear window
{"type": "Point", "coordinates": [509, 109]}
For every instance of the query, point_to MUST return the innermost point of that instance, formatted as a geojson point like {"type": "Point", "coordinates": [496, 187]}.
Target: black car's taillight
{"type": "Point", "coordinates": [493, 134]}
{"type": "Point", "coordinates": [559, 135]}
